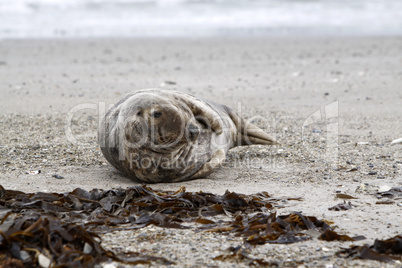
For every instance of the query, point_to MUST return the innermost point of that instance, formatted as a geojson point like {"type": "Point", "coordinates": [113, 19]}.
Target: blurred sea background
{"type": "Point", "coordinates": [197, 18]}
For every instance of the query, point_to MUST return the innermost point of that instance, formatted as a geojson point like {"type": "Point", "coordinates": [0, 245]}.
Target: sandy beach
{"type": "Point", "coordinates": [335, 104]}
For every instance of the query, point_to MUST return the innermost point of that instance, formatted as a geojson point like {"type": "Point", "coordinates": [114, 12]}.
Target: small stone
{"type": "Point", "coordinates": [109, 265]}
{"type": "Point", "coordinates": [363, 143]}
{"type": "Point", "coordinates": [397, 141]}
{"type": "Point", "coordinates": [142, 235]}
{"type": "Point", "coordinates": [43, 261]}
{"type": "Point", "coordinates": [170, 83]}
{"type": "Point", "coordinates": [384, 188]}
{"type": "Point", "coordinates": [24, 255]}
{"type": "Point", "coordinates": [296, 74]}
{"type": "Point", "coordinates": [57, 176]}
{"type": "Point", "coordinates": [87, 248]}
{"type": "Point", "coordinates": [33, 172]}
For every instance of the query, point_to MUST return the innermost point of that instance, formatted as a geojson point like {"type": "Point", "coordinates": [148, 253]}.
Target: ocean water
{"type": "Point", "coordinates": [197, 18]}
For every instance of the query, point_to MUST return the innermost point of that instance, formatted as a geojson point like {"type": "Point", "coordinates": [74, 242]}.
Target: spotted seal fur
{"type": "Point", "coordinates": [156, 135]}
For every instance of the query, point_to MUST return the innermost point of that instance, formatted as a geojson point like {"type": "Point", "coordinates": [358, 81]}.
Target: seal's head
{"type": "Point", "coordinates": [157, 123]}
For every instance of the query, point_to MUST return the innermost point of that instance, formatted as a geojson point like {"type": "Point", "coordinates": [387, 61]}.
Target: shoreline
{"type": "Point", "coordinates": [208, 38]}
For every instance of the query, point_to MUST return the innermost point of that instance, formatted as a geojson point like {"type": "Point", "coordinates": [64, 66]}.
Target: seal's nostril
{"type": "Point", "coordinates": [156, 114]}
{"type": "Point", "coordinates": [193, 131]}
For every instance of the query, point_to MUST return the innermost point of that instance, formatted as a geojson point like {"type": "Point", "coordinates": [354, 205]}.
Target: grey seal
{"type": "Point", "coordinates": [156, 135]}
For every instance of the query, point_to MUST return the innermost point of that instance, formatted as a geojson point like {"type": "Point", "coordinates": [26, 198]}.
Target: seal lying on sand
{"type": "Point", "coordinates": [156, 135]}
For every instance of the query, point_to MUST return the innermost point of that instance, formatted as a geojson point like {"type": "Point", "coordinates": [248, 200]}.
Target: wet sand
{"type": "Point", "coordinates": [334, 103]}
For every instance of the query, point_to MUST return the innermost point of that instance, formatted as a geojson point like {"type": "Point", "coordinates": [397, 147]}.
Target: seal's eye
{"type": "Point", "coordinates": [156, 114]}
{"type": "Point", "coordinates": [139, 113]}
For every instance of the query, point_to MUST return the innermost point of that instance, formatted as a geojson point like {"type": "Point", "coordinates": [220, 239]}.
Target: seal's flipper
{"type": "Point", "coordinates": [216, 161]}
{"type": "Point", "coordinates": [203, 113]}
{"type": "Point", "coordinates": [251, 134]}
{"type": "Point", "coordinates": [248, 133]}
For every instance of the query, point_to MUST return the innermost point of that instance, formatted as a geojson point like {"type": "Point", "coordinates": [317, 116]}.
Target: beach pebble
{"type": "Point", "coordinates": [384, 188]}
{"type": "Point", "coordinates": [43, 261]}
{"type": "Point", "coordinates": [167, 83]}
{"type": "Point", "coordinates": [110, 265]}
{"type": "Point", "coordinates": [24, 255]}
{"type": "Point", "coordinates": [397, 141]}
{"type": "Point", "coordinates": [87, 248]}
{"type": "Point", "coordinates": [362, 143]}
{"type": "Point", "coordinates": [361, 73]}
{"type": "Point", "coordinates": [33, 172]}
{"type": "Point", "coordinates": [296, 74]}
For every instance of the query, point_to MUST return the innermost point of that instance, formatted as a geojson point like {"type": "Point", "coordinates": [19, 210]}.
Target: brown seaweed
{"type": "Point", "coordinates": [268, 228]}
{"type": "Point", "coordinates": [237, 254]}
{"type": "Point", "coordinates": [138, 206]}
{"type": "Point", "coordinates": [64, 227]}
{"type": "Point", "coordinates": [388, 250]}
{"type": "Point", "coordinates": [329, 235]}
{"type": "Point", "coordinates": [394, 192]}
{"type": "Point", "coordinates": [63, 244]}
{"type": "Point", "coordinates": [344, 196]}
